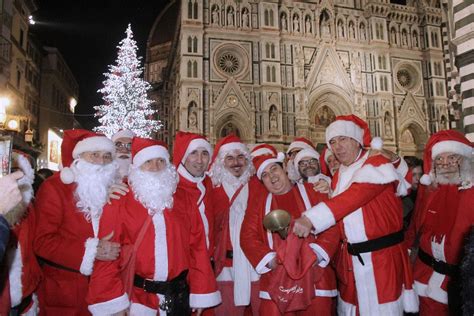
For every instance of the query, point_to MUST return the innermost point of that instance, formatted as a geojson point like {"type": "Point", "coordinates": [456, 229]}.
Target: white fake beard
{"type": "Point", "coordinates": [123, 166]}
{"type": "Point", "coordinates": [464, 175]}
{"type": "Point", "coordinates": [93, 183]}
{"type": "Point", "coordinates": [154, 189]}
{"type": "Point", "coordinates": [219, 175]}
{"type": "Point", "coordinates": [292, 171]}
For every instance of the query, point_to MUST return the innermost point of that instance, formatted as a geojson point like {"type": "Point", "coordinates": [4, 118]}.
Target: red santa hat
{"type": "Point", "coordinates": [76, 142]}
{"type": "Point", "coordinates": [354, 127]}
{"type": "Point", "coordinates": [144, 149]}
{"type": "Point", "coordinates": [442, 142]}
{"type": "Point", "coordinates": [123, 133]}
{"type": "Point", "coordinates": [302, 143]}
{"type": "Point", "coordinates": [305, 153]}
{"type": "Point", "coordinates": [226, 145]}
{"type": "Point", "coordinates": [262, 161]}
{"type": "Point", "coordinates": [185, 143]}
{"type": "Point", "coordinates": [263, 149]}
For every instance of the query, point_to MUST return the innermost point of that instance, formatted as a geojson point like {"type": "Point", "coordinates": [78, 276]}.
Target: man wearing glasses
{"type": "Point", "coordinates": [307, 163]}
{"type": "Point", "coordinates": [123, 143]}
{"type": "Point", "coordinates": [442, 220]}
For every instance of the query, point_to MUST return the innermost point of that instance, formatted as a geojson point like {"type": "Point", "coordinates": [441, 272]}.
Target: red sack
{"type": "Point", "coordinates": [292, 282]}
{"type": "Point", "coordinates": [128, 255]}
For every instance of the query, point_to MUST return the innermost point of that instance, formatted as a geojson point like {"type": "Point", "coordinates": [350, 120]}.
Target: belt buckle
{"type": "Point", "coordinates": [144, 283]}
{"type": "Point", "coordinates": [166, 304]}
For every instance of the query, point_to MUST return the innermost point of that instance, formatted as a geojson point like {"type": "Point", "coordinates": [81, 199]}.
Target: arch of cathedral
{"type": "Point", "coordinates": [271, 71]}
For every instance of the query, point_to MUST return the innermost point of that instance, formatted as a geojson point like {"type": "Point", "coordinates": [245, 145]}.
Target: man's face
{"type": "Point", "coordinates": [345, 148]}
{"type": "Point", "coordinates": [122, 147]}
{"type": "Point", "coordinates": [292, 154]}
{"type": "Point", "coordinates": [417, 172]}
{"type": "Point", "coordinates": [153, 165]}
{"type": "Point", "coordinates": [308, 167]}
{"type": "Point", "coordinates": [275, 179]}
{"type": "Point", "coordinates": [97, 157]}
{"type": "Point", "coordinates": [236, 162]}
{"type": "Point", "coordinates": [447, 165]}
{"type": "Point", "coordinates": [197, 162]}
{"type": "Point", "coordinates": [333, 164]}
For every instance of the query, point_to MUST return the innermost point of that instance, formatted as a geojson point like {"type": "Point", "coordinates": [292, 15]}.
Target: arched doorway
{"type": "Point", "coordinates": [228, 129]}
{"type": "Point", "coordinates": [412, 140]}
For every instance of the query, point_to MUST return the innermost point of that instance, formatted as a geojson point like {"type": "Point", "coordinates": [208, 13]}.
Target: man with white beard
{"type": "Point", "coordinates": [68, 209]}
{"type": "Point", "coordinates": [442, 220]}
{"type": "Point", "coordinates": [231, 170]}
{"type": "Point", "coordinates": [123, 143]}
{"type": "Point", "coordinates": [172, 273]}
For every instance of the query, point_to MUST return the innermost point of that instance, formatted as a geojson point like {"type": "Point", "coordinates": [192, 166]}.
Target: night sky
{"type": "Point", "coordinates": [86, 32]}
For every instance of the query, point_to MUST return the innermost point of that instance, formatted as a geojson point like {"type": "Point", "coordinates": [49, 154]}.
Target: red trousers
{"type": "Point", "coordinates": [227, 307]}
{"type": "Point", "coordinates": [320, 306]}
{"type": "Point", "coordinates": [429, 307]}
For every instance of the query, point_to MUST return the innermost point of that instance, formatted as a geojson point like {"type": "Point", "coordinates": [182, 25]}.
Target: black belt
{"type": "Point", "coordinates": [439, 266]}
{"type": "Point", "coordinates": [386, 241]}
{"type": "Point", "coordinates": [42, 261]}
{"type": "Point", "coordinates": [20, 308]}
{"type": "Point", "coordinates": [229, 254]}
{"type": "Point", "coordinates": [176, 292]}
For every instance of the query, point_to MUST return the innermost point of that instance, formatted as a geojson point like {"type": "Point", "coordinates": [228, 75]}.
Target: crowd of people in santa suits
{"type": "Point", "coordinates": [129, 228]}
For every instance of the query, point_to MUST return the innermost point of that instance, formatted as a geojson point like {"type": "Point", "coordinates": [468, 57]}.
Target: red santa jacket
{"type": "Point", "coordinates": [173, 242]}
{"type": "Point", "coordinates": [442, 220]}
{"type": "Point", "coordinates": [259, 245]}
{"type": "Point", "coordinates": [365, 205]}
{"type": "Point", "coordinates": [63, 234]}
{"type": "Point", "coordinates": [24, 273]}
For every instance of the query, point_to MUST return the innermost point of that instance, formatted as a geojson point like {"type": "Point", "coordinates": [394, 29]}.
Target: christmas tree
{"type": "Point", "coordinates": [126, 104]}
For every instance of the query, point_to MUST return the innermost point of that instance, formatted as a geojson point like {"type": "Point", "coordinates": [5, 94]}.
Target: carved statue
{"type": "Point", "coordinates": [415, 39]}
{"type": "Point", "coordinates": [273, 120]}
{"type": "Point", "coordinates": [308, 25]}
{"type": "Point", "coordinates": [351, 30]}
{"type": "Point", "coordinates": [340, 29]}
{"type": "Point", "coordinates": [192, 119]}
{"type": "Point", "coordinates": [245, 18]}
{"type": "Point", "coordinates": [387, 121]}
{"type": "Point", "coordinates": [215, 16]}
{"type": "Point", "coordinates": [393, 36]}
{"type": "Point", "coordinates": [404, 38]}
{"type": "Point", "coordinates": [296, 23]}
{"type": "Point", "coordinates": [230, 16]}
{"type": "Point", "coordinates": [284, 24]}
{"type": "Point", "coordinates": [363, 35]}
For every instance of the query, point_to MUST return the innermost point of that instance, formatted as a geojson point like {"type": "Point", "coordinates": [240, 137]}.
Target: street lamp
{"type": "Point", "coordinates": [72, 104]}
{"type": "Point", "coordinates": [4, 102]}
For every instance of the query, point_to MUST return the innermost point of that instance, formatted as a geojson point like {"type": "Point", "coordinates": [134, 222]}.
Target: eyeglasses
{"type": "Point", "coordinates": [306, 163]}
{"type": "Point", "coordinates": [447, 160]}
{"type": "Point", "coordinates": [119, 145]}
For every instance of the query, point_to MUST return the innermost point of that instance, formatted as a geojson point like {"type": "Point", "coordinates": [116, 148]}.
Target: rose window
{"type": "Point", "coordinates": [229, 63]}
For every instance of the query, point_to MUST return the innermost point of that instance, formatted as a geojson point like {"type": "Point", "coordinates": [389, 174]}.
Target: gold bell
{"type": "Point", "coordinates": [278, 221]}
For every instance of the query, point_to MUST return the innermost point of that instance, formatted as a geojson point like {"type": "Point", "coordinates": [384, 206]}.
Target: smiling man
{"type": "Point", "coordinates": [442, 220]}
{"type": "Point", "coordinates": [260, 246]}
{"type": "Point", "coordinates": [231, 170]}
{"type": "Point", "coordinates": [191, 156]}
{"type": "Point", "coordinates": [123, 144]}
{"type": "Point", "coordinates": [373, 269]}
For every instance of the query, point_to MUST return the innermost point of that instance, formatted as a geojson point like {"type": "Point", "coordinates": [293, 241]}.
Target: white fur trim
{"type": "Point", "coordinates": [328, 153]}
{"type": "Point", "coordinates": [345, 308]}
{"type": "Point", "coordinates": [123, 133]}
{"type": "Point", "coordinates": [261, 267]}
{"type": "Point", "coordinates": [137, 309]}
{"type": "Point", "coordinates": [299, 144]}
{"type": "Point", "coordinates": [261, 152]}
{"type": "Point", "coordinates": [233, 146]}
{"type": "Point", "coordinates": [382, 174]}
{"type": "Point", "coordinates": [326, 293]}
{"type": "Point", "coordinates": [34, 308]}
{"type": "Point", "coordinates": [112, 306]}
{"type": "Point", "coordinates": [67, 175]}
{"type": "Point", "coordinates": [305, 153]}
{"type": "Point", "coordinates": [94, 143]}
{"type": "Point", "coordinates": [14, 275]}
{"type": "Point", "coordinates": [452, 147]}
{"type": "Point", "coordinates": [161, 248]}
{"type": "Point", "coordinates": [319, 177]}
{"type": "Point", "coordinates": [437, 294]}
{"type": "Point", "coordinates": [150, 152]}
{"type": "Point", "coordinates": [376, 143]}
{"type": "Point", "coordinates": [321, 217]}
{"type": "Point", "coordinates": [264, 295]}
{"type": "Point", "coordinates": [425, 179]}
{"type": "Point", "coordinates": [410, 301]}
{"type": "Point", "coordinates": [323, 257]}
{"type": "Point", "coordinates": [205, 300]}
{"type": "Point", "coordinates": [195, 144]}
{"type": "Point", "coordinates": [278, 159]}
{"type": "Point", "coordinates": [88, 259]}
{"type": "Point", "coordinates": [344, 128]}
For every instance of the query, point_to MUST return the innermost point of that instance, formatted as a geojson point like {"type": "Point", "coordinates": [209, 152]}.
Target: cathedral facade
{"type": "Point", "coordinates": [270, 71]}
